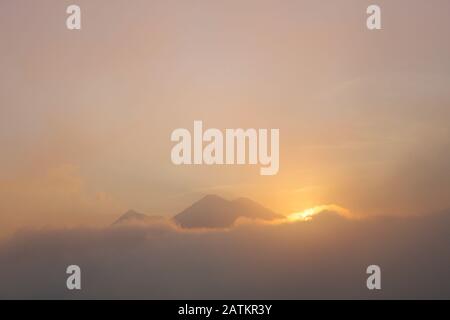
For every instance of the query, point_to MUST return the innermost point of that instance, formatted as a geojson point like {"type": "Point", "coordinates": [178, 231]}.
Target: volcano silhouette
{"type": "Point", "coordinates": [213, 211]}
{"type": "Point", "coordinates": [132, 216]}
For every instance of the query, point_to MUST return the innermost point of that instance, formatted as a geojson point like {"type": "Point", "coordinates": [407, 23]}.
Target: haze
{"type": "Point", "coordinates": [86, 117]}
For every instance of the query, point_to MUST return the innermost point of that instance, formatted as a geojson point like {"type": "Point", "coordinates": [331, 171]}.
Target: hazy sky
{"type": "Point", "coordinates": [86, 116]}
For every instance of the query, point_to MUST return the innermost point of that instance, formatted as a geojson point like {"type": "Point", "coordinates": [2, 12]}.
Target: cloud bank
{"type": "Point", "coordinates": [325, 257]}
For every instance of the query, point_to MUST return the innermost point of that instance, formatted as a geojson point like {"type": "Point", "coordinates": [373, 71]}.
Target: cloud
{"type": "Point", "coordinates": [324, 258]}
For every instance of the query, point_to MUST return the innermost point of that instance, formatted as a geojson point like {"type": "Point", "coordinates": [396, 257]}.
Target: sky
{"type": "Point", "coordinates": [86, 116]}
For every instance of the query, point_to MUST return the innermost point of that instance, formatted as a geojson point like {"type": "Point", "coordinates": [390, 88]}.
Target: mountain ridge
{"type": "Point", "coordinates": [211, 211]}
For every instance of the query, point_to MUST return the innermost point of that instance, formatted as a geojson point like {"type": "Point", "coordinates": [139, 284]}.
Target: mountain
{"type": "Point", "coordinates": [132, 216]}
{"type": "Point", "coordinates": [215, 212]}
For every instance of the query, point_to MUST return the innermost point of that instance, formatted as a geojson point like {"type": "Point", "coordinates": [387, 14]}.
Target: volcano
{"type": "Point", "coordinates": [213, 211]}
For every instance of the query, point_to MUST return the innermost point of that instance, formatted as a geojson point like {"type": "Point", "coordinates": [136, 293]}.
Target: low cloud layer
{"type": "Point", "coordinates": [326, 257]}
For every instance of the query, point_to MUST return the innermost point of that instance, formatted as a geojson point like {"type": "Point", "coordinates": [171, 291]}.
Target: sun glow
{"type": "Point", "coordinates": [308, 214]}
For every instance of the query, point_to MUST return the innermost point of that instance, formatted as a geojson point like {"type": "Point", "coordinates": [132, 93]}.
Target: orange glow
{"type": "Point", "coordinates": [308, 214]}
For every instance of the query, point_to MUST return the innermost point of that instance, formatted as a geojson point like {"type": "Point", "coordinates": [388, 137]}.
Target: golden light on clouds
{"type": "Point", "coordinates": [308, 214]}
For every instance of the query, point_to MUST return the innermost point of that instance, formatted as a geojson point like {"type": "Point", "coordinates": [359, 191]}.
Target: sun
{"type": "Point", "coordinates": [304, 215]}
{"type": "Point", "coordinates": [308, 214]}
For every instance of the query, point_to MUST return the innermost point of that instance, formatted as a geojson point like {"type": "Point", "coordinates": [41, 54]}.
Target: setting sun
{"type": "Point", "coordinates": [308, 214]}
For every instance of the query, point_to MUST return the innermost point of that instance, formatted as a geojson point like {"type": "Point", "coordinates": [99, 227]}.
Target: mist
{"type": "Point", "coordinates": [324, 258]}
